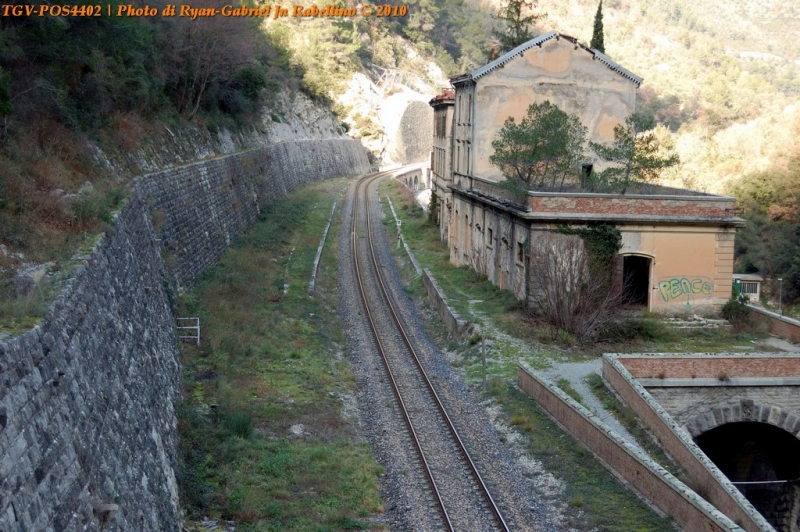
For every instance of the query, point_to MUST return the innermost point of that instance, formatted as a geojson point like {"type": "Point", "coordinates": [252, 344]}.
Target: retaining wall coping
{"type": "Point", "coordinates": [685, 439]}
{"type": "Point", "coordinates": [717, 383]}
{"type": "Point", "coordinates": [775, 315]}
{"type": "Point", "coordinates": [685, 491]}
{"type": "Point", "coordinates": [750, 355]}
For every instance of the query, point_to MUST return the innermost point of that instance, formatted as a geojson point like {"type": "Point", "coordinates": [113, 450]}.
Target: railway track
{"type": "Point", "coordinates": [458, 491]}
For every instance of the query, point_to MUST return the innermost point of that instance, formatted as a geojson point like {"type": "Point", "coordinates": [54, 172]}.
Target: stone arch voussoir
{"type": "Point", "coordinates": [744, 410]}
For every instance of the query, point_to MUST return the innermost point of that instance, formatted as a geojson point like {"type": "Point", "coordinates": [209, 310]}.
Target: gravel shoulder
{"type": "Point", "coordinates": [515, 478]}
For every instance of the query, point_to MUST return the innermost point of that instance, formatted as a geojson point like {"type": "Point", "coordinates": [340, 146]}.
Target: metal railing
{"type": "Point", "coordinates": [195, 328]}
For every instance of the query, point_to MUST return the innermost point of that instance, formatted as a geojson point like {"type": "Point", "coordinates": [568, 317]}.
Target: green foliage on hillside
{"type": "Point", "coordinates": [67, 83]}
{"type": "Point", "coordinates": [723, 78]}
{"type": "Point", "coordinates": [519, 19]}
{"type": "Point", "coordinates": [770, 242]}
{"type": "Point", "coordinates": [80, 71]}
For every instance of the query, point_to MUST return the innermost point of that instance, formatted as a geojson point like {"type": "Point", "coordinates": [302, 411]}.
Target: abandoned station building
{"type": "Point", "coordinates": [677, 252]}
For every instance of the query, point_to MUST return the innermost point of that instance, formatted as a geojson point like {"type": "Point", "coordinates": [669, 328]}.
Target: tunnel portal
{"type": "Point", "coordinates": [763, 461]}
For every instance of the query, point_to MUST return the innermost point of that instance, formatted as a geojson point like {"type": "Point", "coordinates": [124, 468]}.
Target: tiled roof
{"type": "Point", "coordinates": [538, 41]}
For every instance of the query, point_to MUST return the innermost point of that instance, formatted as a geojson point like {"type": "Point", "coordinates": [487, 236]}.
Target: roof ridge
{"type": "Point", "coordinates": [538, 41]}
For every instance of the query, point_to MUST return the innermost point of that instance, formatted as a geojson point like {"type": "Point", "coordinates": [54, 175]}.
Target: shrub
{"type": "Point", "coordinates": [635, 329]}
{"type": "Point", "coordinates": [736, 311]}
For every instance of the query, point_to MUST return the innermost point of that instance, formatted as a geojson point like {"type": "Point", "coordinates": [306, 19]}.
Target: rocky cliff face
{"type": "Point", "coordinates": [88, 433]}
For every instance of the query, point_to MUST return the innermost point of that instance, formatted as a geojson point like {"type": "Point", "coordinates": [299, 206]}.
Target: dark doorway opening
{"type": "Point", "coordinates": [636, 276]}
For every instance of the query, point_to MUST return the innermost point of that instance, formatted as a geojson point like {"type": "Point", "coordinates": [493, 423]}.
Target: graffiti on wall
{"type": "Point", "coordinates": [685, 291]}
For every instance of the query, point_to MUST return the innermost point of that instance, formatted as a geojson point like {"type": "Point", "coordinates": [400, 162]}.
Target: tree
{"type": "Point", "coordinates": [542, 150]}
{"type": "Point", "coordinates": [518, 16]}
{"type": "Point", "coordinates": [597, 32]}
{"type": "Point", "coordinates": [769, 243]}
{"type": "Point", "coordinates": [637, 154]}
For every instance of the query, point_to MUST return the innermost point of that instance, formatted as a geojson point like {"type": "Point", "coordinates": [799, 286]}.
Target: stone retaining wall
{"type": "Point", "coordinates": [88, 432]}
{"type": "Point", "coordinates": [690, 511]}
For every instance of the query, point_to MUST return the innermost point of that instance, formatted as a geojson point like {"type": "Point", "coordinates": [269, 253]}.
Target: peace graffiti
{"type": "Point", "coordinates": [676, 287]}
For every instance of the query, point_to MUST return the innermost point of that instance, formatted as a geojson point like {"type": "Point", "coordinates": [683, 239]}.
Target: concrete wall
{"type": "Point", "coordinates": [778, 325]}
{"type": "Point", "coordinates": [455, 324]}
{"type": "Point", "coordinates": [701, 473]}
{"type": "Point", "coordinates": [557, 71]}
{"type": "Point", "coordinates": [487, 239]}
{"type": "Point", "coordinates": [88, 433]}
{"type": "Point", "coordinates": [690, 511]}
{"type": "Point", "coordinates": [691, 266]}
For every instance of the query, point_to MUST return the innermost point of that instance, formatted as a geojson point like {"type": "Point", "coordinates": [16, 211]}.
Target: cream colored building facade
{"type": "Point", "coordinates": [677, 245]}
{"type": "Point", "coordinates": [677, 252]}
{"type": "Point", "coordinates": [552, 67]}
{"type": "Point", "coordinates": [441, 160]}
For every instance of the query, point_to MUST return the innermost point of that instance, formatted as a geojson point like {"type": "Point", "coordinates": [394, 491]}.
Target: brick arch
{"type": "Point", "coordinates": [744, 410]}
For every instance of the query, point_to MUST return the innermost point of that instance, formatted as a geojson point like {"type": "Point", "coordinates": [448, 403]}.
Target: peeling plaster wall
{"type": "Point", "coordinates": [487, 240]}
{"type": "Point", "coordinates": [692, 267]}
{"type": "Point", "coordinates": [558, 72]}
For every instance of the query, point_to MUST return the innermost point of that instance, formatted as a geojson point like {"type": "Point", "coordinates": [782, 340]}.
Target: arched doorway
{"type": "Point", "coordinates": [636, 279]}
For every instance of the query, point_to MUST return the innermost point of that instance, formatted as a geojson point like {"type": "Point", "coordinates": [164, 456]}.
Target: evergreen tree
{"type": "Point", "coordinates": [597, 34]}
{"type": "Point", "coordinates": [637, 154]}
{"type": "Point", "coordinates": [518, 16]}
{"type": "Point", "coordinates": [541, 151]}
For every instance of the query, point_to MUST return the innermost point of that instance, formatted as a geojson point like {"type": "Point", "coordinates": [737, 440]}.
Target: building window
{"type": "Point", "coordinates": [520, 252]}
{"type": "Point", "coordinates": [748, 288]}
{"type": "Point", "coordinates": [489, 237]}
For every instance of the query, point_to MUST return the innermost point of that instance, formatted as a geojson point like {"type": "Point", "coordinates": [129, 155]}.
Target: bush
{"type": "Point", "coordinates": [736, 311]}
{"type": "Point", "coordinates": [635, 329]}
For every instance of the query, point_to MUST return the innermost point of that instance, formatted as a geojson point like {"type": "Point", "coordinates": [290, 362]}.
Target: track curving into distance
{"type": "Point", "coordinates": [459, 491]}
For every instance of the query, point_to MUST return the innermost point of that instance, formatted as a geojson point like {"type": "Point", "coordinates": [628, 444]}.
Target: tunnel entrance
{"type": "Point", "coordinates": [636, 276]}
{"type": "Point", "coordinates": [763, 462]}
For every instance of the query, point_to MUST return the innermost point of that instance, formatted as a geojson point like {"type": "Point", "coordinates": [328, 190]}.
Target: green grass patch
{"type": "Point", "coordinates": [604, 503]}
{"type": "Point", "coordinates": [567, 388]}
{"type": "Point", "coordinates": [263, 441]}
{"type": "Point", "coordinates": [628, 419]}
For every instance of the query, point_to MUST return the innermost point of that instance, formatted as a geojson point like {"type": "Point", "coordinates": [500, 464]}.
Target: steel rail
{"type": "Point", "coordinates": [396, 389]}
{"type": "Point", "coordinates": [395, 317]}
